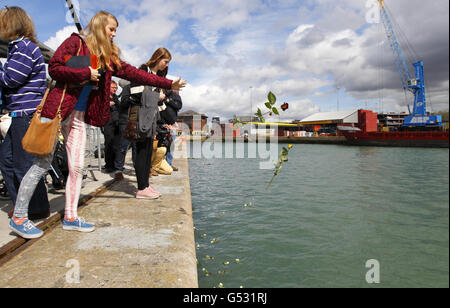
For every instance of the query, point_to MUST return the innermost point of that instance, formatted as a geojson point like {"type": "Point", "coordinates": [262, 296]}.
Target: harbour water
{"type": "Point", "coordinates": [330, 210]}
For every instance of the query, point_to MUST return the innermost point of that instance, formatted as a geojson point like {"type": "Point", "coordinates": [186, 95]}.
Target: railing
{"type": "Point", "coordinates": [94, 143]}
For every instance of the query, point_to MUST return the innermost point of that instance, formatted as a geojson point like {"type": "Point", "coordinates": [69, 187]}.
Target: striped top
{"type": "Point", "coordinates": [1, 103]}
{"type": "Point", "coordinates": [23, 77]}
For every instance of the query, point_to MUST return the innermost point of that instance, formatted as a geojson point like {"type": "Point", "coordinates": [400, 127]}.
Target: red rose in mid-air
{"type": "Point", "coordinates": [285, 106]}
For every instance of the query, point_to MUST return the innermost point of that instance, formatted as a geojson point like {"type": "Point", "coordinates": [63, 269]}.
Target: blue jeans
{"type": "Point", "coordinates": [15, 163]}
{"type": "Point", "coordinates": [73, 129]}
{"type": "Point", "coordinates": [169, 155]}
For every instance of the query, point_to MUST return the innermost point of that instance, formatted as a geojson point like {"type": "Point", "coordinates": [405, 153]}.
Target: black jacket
{"type": "Point", "coordinates": [173, 105]}
{"type": "Point", "coordinates": [119, 116]}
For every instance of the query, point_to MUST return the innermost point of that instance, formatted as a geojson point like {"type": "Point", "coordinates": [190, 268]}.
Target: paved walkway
{"type": "Point", "coordinates": [138, 243]}
{"type": "Point", "coordinates": [94, 181]}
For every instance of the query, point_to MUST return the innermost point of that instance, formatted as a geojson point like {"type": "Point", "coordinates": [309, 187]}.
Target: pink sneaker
{"type": "Point", "coordinates": [152, 189]}
{"type": "Point", "coordinates": [147, 194]}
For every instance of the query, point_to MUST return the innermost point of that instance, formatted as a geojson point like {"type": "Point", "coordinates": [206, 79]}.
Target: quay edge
{"type": "Point", "coordinates": [137, 243]}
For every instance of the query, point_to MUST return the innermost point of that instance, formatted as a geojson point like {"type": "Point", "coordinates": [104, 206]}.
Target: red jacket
{"type": "Point", "coordinates": [97, 113]}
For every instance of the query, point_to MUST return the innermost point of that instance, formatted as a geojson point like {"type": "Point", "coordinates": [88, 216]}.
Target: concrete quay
{"type": "Point", "coordinates": [137, 243]}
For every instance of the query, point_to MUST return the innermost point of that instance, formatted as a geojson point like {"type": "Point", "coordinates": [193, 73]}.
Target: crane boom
{"type": "Point", "coordinates": [405, 76]}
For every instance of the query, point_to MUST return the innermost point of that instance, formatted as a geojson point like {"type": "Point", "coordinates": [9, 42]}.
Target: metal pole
{"type": "Point", "coordinates": [74, 15]}
{"type": "Point", "coordinates": [338, 88]}
{"type": "Point", "coordinates": [251, 109]}
{"type": "Point", "coordinates": [99, 149]}
{"type": "Point", "coordinates": [251, 103]}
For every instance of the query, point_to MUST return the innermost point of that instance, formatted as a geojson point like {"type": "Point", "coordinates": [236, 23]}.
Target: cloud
{"type": "Point", "coordinates": [207, 38]}
{"type": "Point", "coordinates": [60, 37]}
{"type": "Point", "coordinates": [145, 31]}
{"type": "Point", "coordinates": [198, 60]}
{"type": "Point", "coordinates": [302, 50]}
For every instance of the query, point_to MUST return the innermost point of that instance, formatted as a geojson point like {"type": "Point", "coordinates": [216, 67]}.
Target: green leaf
{"type": "Point", "coordinates": [275, 110]}
{"type": "Point", "coordinates": [268, 105]}
{"type": "Point", "coordinates": [272, 98]}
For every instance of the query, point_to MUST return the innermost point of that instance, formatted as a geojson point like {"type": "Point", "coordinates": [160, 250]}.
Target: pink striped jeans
{"type": "Point", "coordinates": [74, 132]}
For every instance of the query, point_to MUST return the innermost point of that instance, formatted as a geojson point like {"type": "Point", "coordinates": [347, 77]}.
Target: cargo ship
{"type": "Point", "coordinates": [368, 134]}
{"type": "Point", "coordinates": [434, 139]}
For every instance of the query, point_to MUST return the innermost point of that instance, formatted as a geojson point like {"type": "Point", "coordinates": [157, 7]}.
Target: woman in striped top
{"type": "Point", "coordinates": [23, 82]}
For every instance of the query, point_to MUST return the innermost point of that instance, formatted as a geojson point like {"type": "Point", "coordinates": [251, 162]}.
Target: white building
{"type": "Point", "coordinates": [330, 118]}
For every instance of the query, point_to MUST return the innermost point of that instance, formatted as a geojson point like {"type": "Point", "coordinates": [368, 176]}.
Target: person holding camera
{"type": "Point", "coordinates": [173, 105]}
{"type": "Point", "coordinates": [80, 106]}
{"type": "Point", "coordinates": [162, 152]}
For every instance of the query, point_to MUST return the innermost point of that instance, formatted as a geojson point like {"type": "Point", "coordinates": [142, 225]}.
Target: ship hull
{"type": "Point", "coordinates": [432, 139]}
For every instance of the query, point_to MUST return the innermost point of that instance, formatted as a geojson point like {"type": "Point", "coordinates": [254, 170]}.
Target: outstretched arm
{"type": "Point", "coordinates": [138, 76]}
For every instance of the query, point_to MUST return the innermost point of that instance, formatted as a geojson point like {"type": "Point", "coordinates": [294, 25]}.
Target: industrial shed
{"type": "Point", "coordinates": [336, 117]}
{"type": "Point", "coordinates": [327, 122]}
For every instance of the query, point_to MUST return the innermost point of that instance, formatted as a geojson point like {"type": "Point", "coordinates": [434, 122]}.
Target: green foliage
{"type": "Point", "coordinates": [237, 122]}
{"type": "Point", "coordinates": [272, 98]}
{"type": "Point", "coordinates": [271, 109]}
{"type": "Point", "coordinates": [283, 159]}
{"type": "Point", "coordinates": [260, 116]}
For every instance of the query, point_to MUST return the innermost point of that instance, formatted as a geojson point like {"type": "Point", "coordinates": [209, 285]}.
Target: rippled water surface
{"type": "Point", "coordinates": [330, 210]}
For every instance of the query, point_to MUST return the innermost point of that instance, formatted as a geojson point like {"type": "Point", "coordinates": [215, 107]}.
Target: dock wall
{"type": "Point", "coordinates": [137, 243]}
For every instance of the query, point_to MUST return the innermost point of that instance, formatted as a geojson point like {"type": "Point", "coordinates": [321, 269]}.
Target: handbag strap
{"type": "Point", "coordinates": [41, 105]}
{"type": "Point", "coordinates": [58, 113]}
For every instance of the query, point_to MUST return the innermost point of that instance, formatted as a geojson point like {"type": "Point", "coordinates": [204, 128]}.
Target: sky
{"type": "Point", "coordinates": [319, 56]}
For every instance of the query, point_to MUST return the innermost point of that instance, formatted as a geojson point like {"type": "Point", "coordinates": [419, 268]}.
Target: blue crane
{"type": "Point", "coordinates": [415, 84]}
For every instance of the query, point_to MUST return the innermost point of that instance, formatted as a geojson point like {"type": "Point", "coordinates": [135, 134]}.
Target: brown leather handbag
{"type": "Point", "coordinates": [132, 129]}
{"type": "Point", "coordinates": [40, 137]}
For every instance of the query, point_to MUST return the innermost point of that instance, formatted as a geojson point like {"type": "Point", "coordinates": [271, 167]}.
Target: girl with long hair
{"type": "Point", "coordinates": [142, 150]}
{"type": "Point", "coordinates": [80, 106]}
